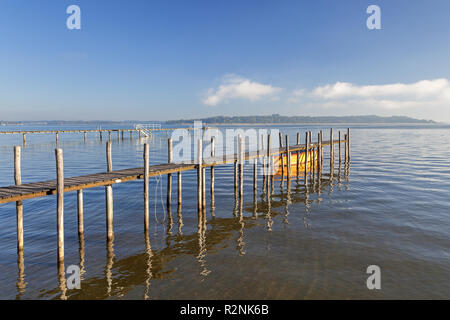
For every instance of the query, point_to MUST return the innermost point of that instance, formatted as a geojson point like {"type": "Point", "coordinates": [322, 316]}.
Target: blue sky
{"type": "Point", "coordinates": [158, 60]}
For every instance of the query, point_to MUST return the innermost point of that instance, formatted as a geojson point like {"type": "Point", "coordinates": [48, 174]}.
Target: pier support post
{"type": "Point", "coordinates": [213, 153]}
{"type": "Point", "coordinates": [169, 175]}
{"type": "Point", "coordinates": [109, 197]}
{"type": "Point", "coordinates": [298, 154]}
{"type": "Point", "coordinates": [288, 159]}
{"type": "Point", "coordinates": [241, 167]}
{"type": "Point", "coordinates": [85, 137]}
{"type": "Point", "coordinates": [281, 157]}
{"type": "Point", "coordinates": [60, 203]}
{"type": "Point", "coordinates": [80, 212]}
{"type": "Point", "coordinates": [269, 165]}
{"type": "Point", "coordinates": [57, 138]}
{"type": "Point", "coordinates": [146, 187]}
{"type": "Point", "coordinates": [109, 135]}
{"type": "Point", "coordinates": [179, 189]}
{"type": "Point", "coordinates": [331, 152]}
{"type": "Point", "coordinates": [306, 157]}
{"type": "Point", "coordinates": [339, 146]}
{"type": "Point", "coordinates": [199, 177]}
{"type": "Point", "coordinates": [319, 155]}
{"type": "Point", "coordinates": [24, 139]}
{"type": "Point", "coordinates": [19, 206]}
{"type": "Point", "coordinates": [348, 144]}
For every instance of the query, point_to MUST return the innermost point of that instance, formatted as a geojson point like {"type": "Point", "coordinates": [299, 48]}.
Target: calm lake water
{"type": "Point", "coordinates": [391, 210]}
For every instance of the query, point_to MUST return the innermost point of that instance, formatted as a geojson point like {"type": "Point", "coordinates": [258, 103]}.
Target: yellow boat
{"type": "Point", "coordinates": [301, 159]}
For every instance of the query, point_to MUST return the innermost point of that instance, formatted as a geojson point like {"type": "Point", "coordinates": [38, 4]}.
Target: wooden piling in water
{"type": "Point", "coordinates": [241, 167]}
{"type": "Point", "coordinates": [146, 187]}
{"type": "Point", "coordinates": [339, 136]}
{"type": "Point", "coordinates": [331, 152]}
{"type": "Point", "coordinates": [319, 155]}
{"type": "Point", "coordinates": [169, 175]}
{"type": "Point", "coordinates": [19, 206]}
{"type": "Point", "coordinates": [298, 155]}
{"type": "Point", "coordinates": [85, 136]}
{"type": "Point", "coordinates": [213, 153]}
{"type": "Point", "coordinates": [80, 212]}
{"type": "Point", "coordinates": [288, 159]}
{"type": "Point", "coordinates": [281, 157]}
{"type": "Point", "coordinates": [109, 196]}
{"type": "Point", "coordinates": [348, 143]}
{"type": "Point", "coordinates": [345, 148]}
{"type": "Point", "coordinates": [306, 156]}
{"type": "Point", "coordinates": [269, 165]}
{"type": "Point", "coordinates": [24, 139]}
{"type": "Point", "coordinates": [199, 176]}
{"type": "Point", "coordinates": [122, 134]}
{"type": "Point", "coordinates": [56, 137]}
{"type": "Point", "coordinates": [60, 203]}
{"type": "Point", "coordinates": [321, 151]}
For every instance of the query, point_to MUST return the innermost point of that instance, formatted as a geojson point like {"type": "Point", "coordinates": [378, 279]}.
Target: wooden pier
{"type": "Point", "coordinates": [311, 169]}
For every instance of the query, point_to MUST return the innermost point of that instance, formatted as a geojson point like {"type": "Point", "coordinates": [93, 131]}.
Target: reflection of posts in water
{"type": "Point", "coordinates": [202, 247]}
{"type": "Point", "coordinates": [62, 280]}
{"type": "Point", "coordinates": [21, 284]}
{"type": "Point", "coordinates": [240, 240]}
{"type": "Point", "coordinates": [213, 201]}
{"type": "Point", "coordinates": [169, 221]}
{"type": "Point", "coordinates": [148, 270]}
{"type": "Point", "coordinates": [169, 175]}
{"type": "Point", "coordinates": [288, 202]}
{"type": "Point", "coordinates": [146, 187]}
{"type": "Point", "coordinates": [81, 254]}
{"type": "Point", "coordinates": [109, 265]}
{"type": "Point", "coordinates": [180, 220]}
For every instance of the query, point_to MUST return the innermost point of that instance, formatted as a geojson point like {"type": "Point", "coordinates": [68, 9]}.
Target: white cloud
{"type": "Point", "coordinates": [235, 87]}
{"type": "Point", "coordinates": [425, 93]}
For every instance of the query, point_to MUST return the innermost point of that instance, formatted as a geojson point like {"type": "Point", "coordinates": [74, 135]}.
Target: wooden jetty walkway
{"type": "Point", "coordinates": [310, 153]}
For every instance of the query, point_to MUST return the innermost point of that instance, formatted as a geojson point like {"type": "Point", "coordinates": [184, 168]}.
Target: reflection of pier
{"type": "Point", "coordinates": [299, 161]}
{"type": "Point", "coordinates": [140, 269]}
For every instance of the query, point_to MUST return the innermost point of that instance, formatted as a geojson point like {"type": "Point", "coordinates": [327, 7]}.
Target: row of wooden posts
{"type": "Point", "coordinates": [312, 150]}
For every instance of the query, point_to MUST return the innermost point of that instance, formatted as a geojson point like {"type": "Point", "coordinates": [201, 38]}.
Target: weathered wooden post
{"type": "Point", "coordinates": [298, 154]}
{"type": "Point", "coordinates": [348, 143]}
{"type": "Point", "coordinates": [169, 175]}
{"type": "Point", "coordinates": [24, 139]}
{"type": "Point", "coordinates": [269, 164]}
{"type": "Point", "coordinates": [179, 184]}
{"type": "Point", "coordinates": [236, 169]}
{"type": "Point", "coordinates": [288, 158]}
{"type": "Point", "coordinates": [241, 167]}
{"type": "Point", "coordinates": [281, 157]}
{"type": "Point", "coordinates": [306, 156]}
{"type": "Point", "coordinates": [199, 176]}
{"type": "Point", "coordinates": [60, 204]}
{"type": "Point", "coordinates": [56, 136]}
{"type": "Point", "coordinates": [321, 151]}
{"type": "Point", "coordinates": [345, 148]}
{"type": "Point", "coordinates": [213, 153]}
{"type": "Point", "coordinates": [146, 186]}
{"type": "Point", "coordinates": [331, 151]}
{"type": "Point", "coordinates": [109, 196]}
{"type": "Point", "coordinates": [19, 206]}
{"type": "Point", "coordinates": [264, 163]}
{"type": "Point", "coordinates": [80, 211]}
{"type": "Point", "coordinates": [319, 155]}
{"type": "Point", "coordinates": [339, 136]}
{"type": "Point", "coordinates": [109, 135]}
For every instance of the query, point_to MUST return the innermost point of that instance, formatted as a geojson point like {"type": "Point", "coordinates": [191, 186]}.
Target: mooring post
{"type": "Point", "coordinates": [199, 176]}
{"type": "Point", "coordinates": [56, 138]}
{"type": "Point", "coordinates": [19, 206]}
{"type": "Point", "coordinates": [264, 162]}
{"type": "Point", "coordinates": [169, 175]}
{"type": "Point", "coordinates": [236, 171]}
{"type": "Point", "coordinates": [109, 135]}
{"type": "Point", "coordinates": [348, 143]}
{"type": "Point", "coordinates": [60, 203]}
{"type": "Point", "coordinates": [281, 157]}
{"type": "Point", "coordinates": [321, 150]}
{"type": "Point", "coordinates": [241, 167]}
{"type": "Point", "coordinates": [213, 153]}
{"type": "Point", "coordinates": [269, 164]}
{"type": "Point", "coordinates": [331, 152]}
{"type": "Point", "coordinates": [339, 136]}
{"type": "Point", "coordinates": [288, 159]}
{"type": "Point", "coordinates": [203, 189]}
{"type": "Point", "coordinates": [306, 156]}
{"type": "Point", "coordinates": [179, 185]}
{"type": "Point", "coordinates": [298, 154]}
{"type": "Point", "coordinates": [80, 211]}
{"type": "Point", "coordinates": [146, 186]}
{"type": "Point", "coordinates": [319, 154]}
{"type": "Point", "coordinates": [345, 148]}
{"type": "Point", "coordinates": [24, 139]}
{"type": "Point", "coordinates": [109, 196]}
